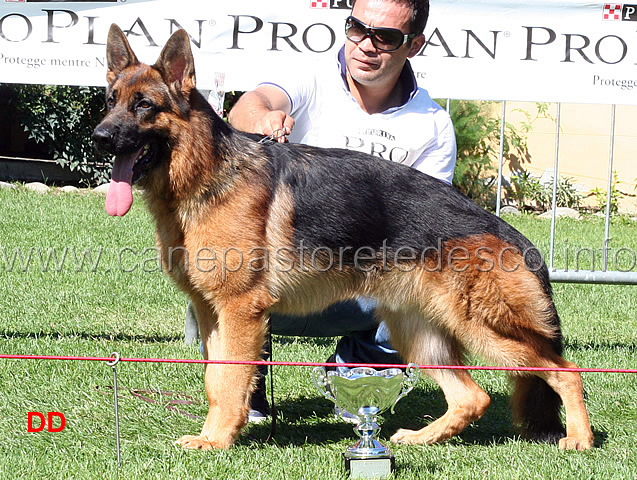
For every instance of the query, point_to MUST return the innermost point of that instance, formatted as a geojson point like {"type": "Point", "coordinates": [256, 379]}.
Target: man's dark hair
{"type": "Point", "coordinates": [419, 13]}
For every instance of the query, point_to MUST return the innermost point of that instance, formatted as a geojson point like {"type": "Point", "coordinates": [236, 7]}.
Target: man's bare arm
{"type": "Point", "coordinates": [264, 110]}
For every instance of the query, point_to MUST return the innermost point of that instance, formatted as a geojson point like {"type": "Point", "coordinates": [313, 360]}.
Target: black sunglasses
{"type": "Point", "coordinates": [384, 39]}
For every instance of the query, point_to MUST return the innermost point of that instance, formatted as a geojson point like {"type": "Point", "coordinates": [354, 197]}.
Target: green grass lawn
{"type": "Point", "coordinates": [118, 300]}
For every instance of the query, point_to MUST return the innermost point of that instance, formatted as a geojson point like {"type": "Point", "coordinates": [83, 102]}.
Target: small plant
{"type": "Point", "coordinates": [542, 111]}
{"type": "Point", "coordinates": [528, 192]}
{"type": "Point", "coordinates": [567, 194]}
{"type": "Point", "coordinates": [601, 196]}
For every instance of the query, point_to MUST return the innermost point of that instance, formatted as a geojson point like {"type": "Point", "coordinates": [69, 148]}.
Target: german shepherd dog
{"type": "Point", "coordinates": [247, 228]}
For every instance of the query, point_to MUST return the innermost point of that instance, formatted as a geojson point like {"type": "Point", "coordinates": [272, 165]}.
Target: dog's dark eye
{"type": "Point", "coordinates": [110, 101]}
{"type": "Point", "coordinates": [144, 105]}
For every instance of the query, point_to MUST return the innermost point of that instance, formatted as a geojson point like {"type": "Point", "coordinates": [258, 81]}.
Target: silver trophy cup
{"type": "Point", "coordinates": [366, 393]}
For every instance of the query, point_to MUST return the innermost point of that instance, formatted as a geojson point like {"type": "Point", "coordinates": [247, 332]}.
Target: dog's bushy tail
{"type": "Point", "coordinates": [536, 409]}
{"type": "Point", "coordinates": [536, 406]}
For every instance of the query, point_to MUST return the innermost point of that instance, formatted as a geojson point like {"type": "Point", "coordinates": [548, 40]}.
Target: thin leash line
{"type": "Point", "coordinates": [273, 137]}
{"type": "Point", "coordinates": [319, 364]}
{"type": "Point", "coordinates": [273, 410]}
{"type": "Point", "coordinates": [115, 359]}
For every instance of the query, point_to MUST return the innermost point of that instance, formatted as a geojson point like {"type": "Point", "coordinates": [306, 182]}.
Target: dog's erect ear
{"type": "Point", "coordinates": [176, 64]}
{"type": "Point", "coordinates": [119, 55]}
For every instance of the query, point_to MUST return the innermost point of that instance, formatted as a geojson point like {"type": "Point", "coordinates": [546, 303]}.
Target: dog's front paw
{"type": "Point", "coordinates": [198, 442]}
{"type": "Point", "coordinates": [406, 437]}
{"type": "Point", "coordinates": [573, 443]}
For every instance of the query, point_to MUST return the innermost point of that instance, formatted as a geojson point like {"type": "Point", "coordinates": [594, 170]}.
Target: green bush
{"type": "Point", "coordinates": [478, 140]}
{"type": "Point", "coordinates": [601, 196]}
{"type": "Point", "coordinates": [63, 118]}
{"type": "Point", "coordinates": [527, 191]}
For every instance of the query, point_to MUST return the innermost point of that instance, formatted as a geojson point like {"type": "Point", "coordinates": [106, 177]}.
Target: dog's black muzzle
{"type": "Point", "coordinates": [103, 137]}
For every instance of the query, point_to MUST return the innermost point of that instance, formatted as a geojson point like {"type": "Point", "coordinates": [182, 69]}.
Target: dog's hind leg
{"type": "Point", "coordinates": [536, 397]}
{"type": "Point", "coordinates": [536, 405]}
{"type": "Point", "coordinates": [420, 341]}
{"type": "Point", "coordinates": [568, 386]}
{"type": "Point", "coordinates": [237, 333]}
{"type": "Point", "coordinates": [514, 323]}
{"type": "Point", "coordinates": [466, 403]}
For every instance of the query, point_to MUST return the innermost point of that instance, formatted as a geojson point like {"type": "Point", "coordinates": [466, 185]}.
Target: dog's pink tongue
{"type": "Point", "coordinates": [120, 192]}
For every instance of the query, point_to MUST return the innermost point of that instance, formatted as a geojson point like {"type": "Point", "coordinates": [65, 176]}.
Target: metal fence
{"type": "Point", "coordinates": [603, 276]}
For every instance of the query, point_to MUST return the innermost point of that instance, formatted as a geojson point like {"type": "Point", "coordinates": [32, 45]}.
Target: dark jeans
{"type": "Point", "coordinates": [363, 339]}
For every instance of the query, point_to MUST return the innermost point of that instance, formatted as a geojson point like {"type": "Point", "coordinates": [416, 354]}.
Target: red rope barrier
{"type": "Point", "coordinates": [313, 364]}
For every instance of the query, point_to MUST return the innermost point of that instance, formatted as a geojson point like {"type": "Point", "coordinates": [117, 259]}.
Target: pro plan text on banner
{"type": "Point", "coordinates": [570, 51]}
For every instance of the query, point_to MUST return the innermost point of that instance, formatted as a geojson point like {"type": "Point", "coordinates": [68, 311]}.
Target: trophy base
{"type": "Point", "coordinates": [380, 466]}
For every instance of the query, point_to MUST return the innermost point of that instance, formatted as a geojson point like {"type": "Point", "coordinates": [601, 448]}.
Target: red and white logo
{"type": "Point", "coordinates": [318, 4]}
{"type": "Point", "coordinates": [612, 11]}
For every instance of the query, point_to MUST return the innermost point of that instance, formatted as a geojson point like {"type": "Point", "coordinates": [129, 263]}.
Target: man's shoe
{"type": "Point", "coordinates": [259, 406]}
{"type": "Point", "coordinates": [191, 328]}
{"type": "Point", "coordinates": [255, 416]}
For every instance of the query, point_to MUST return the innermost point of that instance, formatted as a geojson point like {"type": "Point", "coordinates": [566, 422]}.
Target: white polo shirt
{"type": "Point", "coordinates": [418, 133]}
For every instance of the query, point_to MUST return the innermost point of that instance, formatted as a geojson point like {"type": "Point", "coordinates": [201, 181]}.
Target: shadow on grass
{"type": "Point", "coordinates": [117, 337]}
{"type": "Point", "coordinates": [599, 345]}
{"type": "Point", "coordinates": [312, 421]}
{"type": "Point", "coordinates": [316, 341]}
{"type": "Point", "coordinates": [280, 340]}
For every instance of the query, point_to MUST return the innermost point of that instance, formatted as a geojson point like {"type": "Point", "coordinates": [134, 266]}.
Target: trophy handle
{"type": "Point", "coordinates": [412, 374]}
{"type": "Point", "coordinates": [321, 380]}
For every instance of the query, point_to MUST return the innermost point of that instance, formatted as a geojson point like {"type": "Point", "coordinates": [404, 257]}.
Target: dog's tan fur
{"type": "Point", "coordinates": [204, 199]}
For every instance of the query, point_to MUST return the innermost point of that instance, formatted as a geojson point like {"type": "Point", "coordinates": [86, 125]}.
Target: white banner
{"type": "Point", "coordinates": [569, 51]}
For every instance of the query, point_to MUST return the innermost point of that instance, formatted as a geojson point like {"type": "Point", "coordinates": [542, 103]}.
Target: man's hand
{"type": "Point", "coordinates": [276, 123]}
{"type": "Point", "coordinates": [265, 111]}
